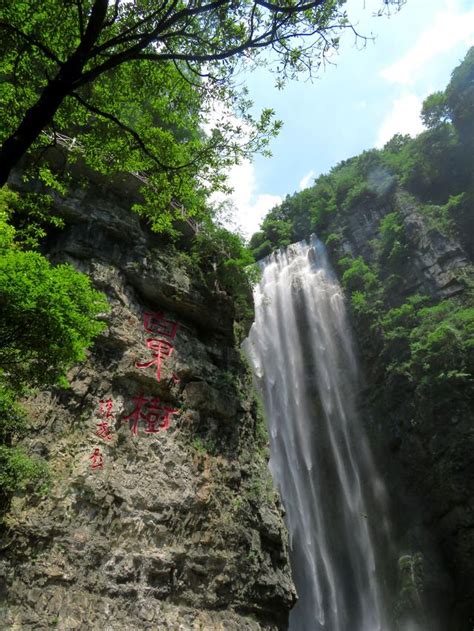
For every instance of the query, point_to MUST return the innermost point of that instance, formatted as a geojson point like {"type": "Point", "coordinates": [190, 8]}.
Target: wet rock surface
{"type": "Point", "coordinates": [180, 528]}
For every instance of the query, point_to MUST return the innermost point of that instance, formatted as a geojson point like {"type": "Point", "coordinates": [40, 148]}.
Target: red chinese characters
{"type": "Point", "coordinates": [160, 349]}
{"type": "Point", "coordinates": [162, 346]}
{"type": "Point", "coordinates": [105, 408]}
{"type": "Point", "coordinates": [151, 412]}
{"type": "Point", "coordinates": [97, 459]}
{"type": "Point", "coordinates": [106, 414]}
{"type": "Point", "coordinates": [158, 324]}
{"type": "Point", "coordinates": [103, 430]}
{"type": "Point", "coordinates": [155, 414]}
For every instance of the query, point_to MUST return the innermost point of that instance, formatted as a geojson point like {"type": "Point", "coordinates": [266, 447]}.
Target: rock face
{"type": "Point", "coordinates": [147, 527]}
{"type": "Point", "coordinates": [431, 472]}
{"type": "Point", "coordinates": [434, 259]}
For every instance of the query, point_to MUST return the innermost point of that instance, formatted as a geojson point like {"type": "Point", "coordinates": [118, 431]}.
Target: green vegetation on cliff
{"type": "Point", "coordinates": [436, 167]}
{"type": "Point", "coordinates": [418, 348]}
{"type": "Point", "coordinates": [48, 318]}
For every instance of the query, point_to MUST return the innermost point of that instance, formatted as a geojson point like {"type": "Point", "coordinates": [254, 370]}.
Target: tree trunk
{"type": "Point", "coordinates": [37, 118]}
{"type": "Point", "coordinates": [41, 114]}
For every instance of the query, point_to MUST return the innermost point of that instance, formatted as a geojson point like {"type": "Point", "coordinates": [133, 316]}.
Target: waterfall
{"type": "Point", "coordinates": [302, 354]}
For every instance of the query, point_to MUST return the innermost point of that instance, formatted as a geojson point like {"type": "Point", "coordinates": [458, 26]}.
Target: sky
{"type": "Point", "coordinates": [359, 103]}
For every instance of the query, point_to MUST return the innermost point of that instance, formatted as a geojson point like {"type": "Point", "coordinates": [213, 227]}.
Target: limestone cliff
{"type": "Point", "coordinates": [428, 462]}
{"type": "Point", "coordinates": [143, 526]}
{"type": "Point", "coordinates": [434, 259]}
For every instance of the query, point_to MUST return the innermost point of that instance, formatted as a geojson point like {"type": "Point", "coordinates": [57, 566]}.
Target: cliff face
{"type": "Point", "coordinates": [433, 260]}
{"type": "Point", "coordinates": [431, 469]}
{"type": "Point", "coordinates": [147, 526]}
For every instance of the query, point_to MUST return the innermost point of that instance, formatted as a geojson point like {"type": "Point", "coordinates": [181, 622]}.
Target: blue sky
{"type": "Point", "coordinates": [359, 103]}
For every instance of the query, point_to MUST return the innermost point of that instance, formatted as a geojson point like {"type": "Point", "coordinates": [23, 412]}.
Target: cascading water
{"type": "Point", "coordinates": [302, 355]}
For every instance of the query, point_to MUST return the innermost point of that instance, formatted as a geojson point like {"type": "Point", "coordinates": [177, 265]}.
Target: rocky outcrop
{"type": "Point", "coordinates": [146, 526]}
{"type": "Point", "coordinates": [434, 259]}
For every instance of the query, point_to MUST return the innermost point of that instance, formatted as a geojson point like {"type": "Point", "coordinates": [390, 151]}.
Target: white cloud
{"type": "Point", "coordinates": [450, 27]}
{"type": "Point", "coordinates": [250, 207]}
{"type": "Point", "coordinates": [244, 209]}
{"type": "Point", "coordinates": [307, 180]}
{"type": "Point", "coordinates": [404, 118]}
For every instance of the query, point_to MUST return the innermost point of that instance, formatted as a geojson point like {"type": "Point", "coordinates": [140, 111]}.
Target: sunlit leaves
{"type": "Point", "coordinates": [139, 91]}
{"type": "Point", "coordinates": [47, 314]}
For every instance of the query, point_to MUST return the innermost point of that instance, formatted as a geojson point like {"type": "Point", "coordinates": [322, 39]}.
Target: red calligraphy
{"type": "Point", "coordinates": [105, 408]}
{"type": "Point", "coordinates": [105, 413]}
{"type": "Point", "coordinates": [139, 401]}
{"type": "Point", "coordinates": [97, 459]}
{"type": "Point", "coordinates": [160, 349]}
{"type": "Point", "coordinates": [103, 430]}
{"type": "Point", "coordinates": [151, 410]}
{"type": "Point", "coordinates": [158, 324]}
{"type": "Point", "coordinates": [157, 417]}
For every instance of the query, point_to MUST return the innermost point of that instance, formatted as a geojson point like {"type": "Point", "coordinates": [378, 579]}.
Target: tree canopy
{"type": "Point", "coordinates": [133, 83]}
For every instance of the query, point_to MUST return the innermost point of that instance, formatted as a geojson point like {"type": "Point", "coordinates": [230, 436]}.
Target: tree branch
{"type": "Point", "coordinates": [126, 36]}
{"type": "Point", "coordinates": [275, 8]}
{"type": "Point", "coordinates": [44, 49]}
{"type": "Point", "coordinates": [94, 27]}
{"type": "Point", "coordinates": [126, 128]}
{"type": "Point", "coordinates": [259, 42]}
{"type": "Point", "coordinates": [187, 79]}
{"type": "Point", "coordinates": [144, 39]}
{"type": "Point", "coordinates": [80, 17]}
{"type": "Point", "coordinates": [138, 140]}
{"type": "Point", "coordinates": [266, 38]}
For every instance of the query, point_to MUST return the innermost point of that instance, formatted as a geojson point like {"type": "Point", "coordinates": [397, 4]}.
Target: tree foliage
{"type": "Point", "coordinates": [46, 317]}
{"type": "Point", "coordinates": [435, 110]}
{"type": "Point", "coordinates": [133, 83]}
{"type": "Point", "coordinates": [431, 348]}
{"type": "Point", "coordinates": [460, 99]}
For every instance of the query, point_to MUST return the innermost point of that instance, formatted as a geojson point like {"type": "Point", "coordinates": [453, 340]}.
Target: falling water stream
{"type": "Point", "coordinates": [302, 354]}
